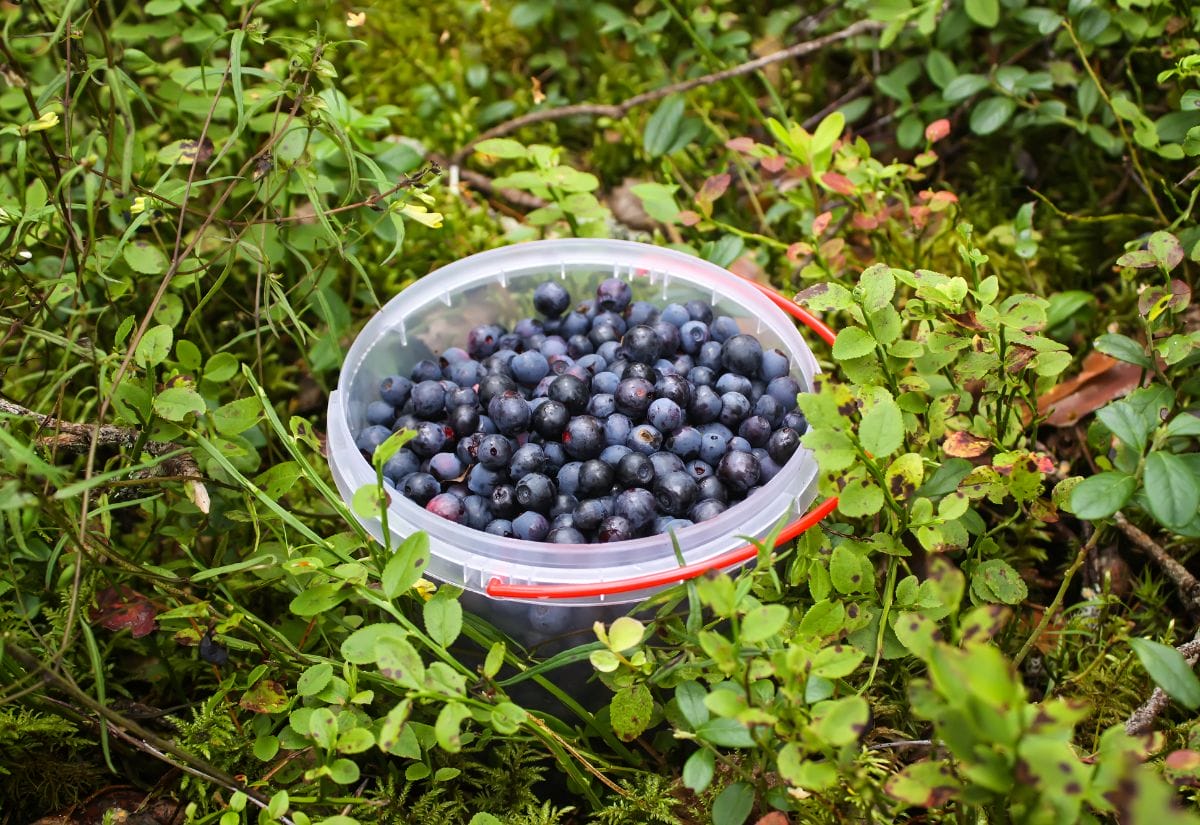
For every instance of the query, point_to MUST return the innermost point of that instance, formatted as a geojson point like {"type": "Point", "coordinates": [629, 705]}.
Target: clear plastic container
{"type": "Point", "coordinates": [436, 312]}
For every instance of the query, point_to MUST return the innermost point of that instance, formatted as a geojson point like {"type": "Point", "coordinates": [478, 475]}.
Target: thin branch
{"type": "Point", "coordinates": [1059, 597]}
{"type": "Point", "coordinates": [1141, 719]}
{"type": "Point", "coordinates": [1185, 582]}
{"type": "Point", "coordinates": [617, 110]}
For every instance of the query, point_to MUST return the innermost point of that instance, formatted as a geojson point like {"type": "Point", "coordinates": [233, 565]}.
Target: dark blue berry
{"type": "Point", "coordinates": [734, 408]}
{"type": "Point", "coordinates": [484, 340]}
{"type": "Point", "coordinates": [529, 367]}
{"type": "Point", "coordinates": [531, 526]}
{"type": "Point", "coordinates": [712, 487]}
{"type": "Point", "coordinates": [705, 406]}
{"type": "Point", "coordinates": [742, 354]}
{"type": "Point", "coordinates": [477, 512]}
{"type": "Point", "coordinates": [403, 462]}
{"type": "Point", "coordinates": [775, 364]}
{"type": "Point", "coordinates": [464, 420]}
{"type": "Point", "coordinates": [419, 487]}
{"type": "Point", "coordinates": [381, 413]}
{"type": "Point", "coordinates": [595, 478]}
{"type": "Point", "coordinates": [395, 389]}
{"type": "Point", "coordinates": [636, 506]}
{"type": "Point", "coordinates": [676, 493]}
{"type": "Point", "coordinates": [504, 501]}
{"type": "Point", "coordinates": [563, 504]}
{"type": "Point", "coordinates": [705, 509]}
{"type": "Point", "coordinates": [493, 385]}
{"type": "Point", "coordinates": [570, 392]}
{"type": "Point", "coordinates": [641, 312]}
{"type": "Point", "coordinates": [426, 370]}
{"type": "Point", "coordinates": [590, 512]}
{"type": "Point", "coordinates": [641, 344]}
{"type": "Point", "coordinates": [701, 311]}
{"type": "Point", "coordinates": [633, 397]}
{"type": "Point", "coordinates": [510, 412]}
{"type": "Point", "coordinates": [710, 356]}
{"type": "Point", "coordinates": [494, 452]}
{"type": "Point", "coordinates": [614, 294]}
{"type": "Point", "coordinates": [723, 328]}
{"type": "Point", "coordinates": [448, 506]}
{"type": "Point", "coordinates": [584, 437]}
{"type": "Point", "coordinates": [665, 463]}
{"type": "Point", "coordinates": [371, 437]}
{"type": "Point", "coordinates": [602, 405]}
{"type": "Point", "coordinates": [551, 299]}
{"type": "Point", "coordinates": [527, 459]}
{"type": "Point", "coordinates": [675, 314]}
{"type": "Point", "coordinates": [782, 444]}
{"type": "Point", "coordinates": [614, 528]}
{"type": "Point", "coordinates": [635, 470]}
{"type": "Point", "coordinates": [535, 492]}
{"type": "Point", "coordinates": [692, 336]}
{"type": "Point", "coordinates": [613, 453]}
{"type": "Point", "coordinates": [565, 535]}
{"type": "Point", "coordinates": [644, 439]}
{"type": "Point", "coordinates": [429, 439]}
{"type": "Point", "coordinates": [550, 419]}
{"type": "Point", "coordinates": [445, 467]}
{"type": "Point", "coordinates": [699, 470]}
{"type": "Point", "coordinates": [664, 415]}
{"type": "Point", "coordinates": [755, 429]}
{"type": "Point", "coordinates": [500, 527]}
{"type": "Point", "coordinates": [684, 442]}
{"type": "Point", "coordinates": [568, 477]}
{"type": "Point", "coordinates": [740, 471]}
{"type": "Point", "coordinates": [481, 481]}
{"type": "Point", "coordinates": [674, 387]}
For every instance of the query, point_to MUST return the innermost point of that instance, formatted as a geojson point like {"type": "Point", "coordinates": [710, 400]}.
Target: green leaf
{"type": "Point", "coordinates": [733, 804]}
{"type": "Point", "coordinates": [1186, 424]}
{"type": "Point", "coordinates": [877, 285]}
{"type": "Point", "coordinates": [1125, 423]}
{"type": "Point", "coordinates": [984, 12]}
{"type": "Point", "coordinates": [882, 429]}
{"type": "Point", "coordinates": [924, 784]}
{"type": "Point", "coordinates": [355, 740]}
{"type": "Point", "coordinates": [625, 634]}
{"type": "Point", "coordinates": [154, 346]}
{"type": "Point", "coordinates": [996, 581]}
{"type": "Point", "coordinates": [502, 148]}
{"type": "Point", "coordinates": [145, 258]}
{"type": "Point", "coordinates": [1123, 348]}
{"type": "Point", "coordinates": [689, 697]}
{"type": "Point", "coordinates": [344, 772]}
{"type": "Point", "coordinates": [841, 721]}
{"type": "Point", "coordinates": [1169, 670]}
{"type": "Point", "coordinates": [318, 599]}
{"type": "Point", "coordinates": [323, 728]}
{"type": "Point", "coordinates": [361, 647]}
{"type": "Point", "coordinates": [726, 733]}
{"type": "Point", "coordinates": [963, 86]}
{"type": "Point", "coordinates": [176, 403]}
{"type": "Point", "coordinates": [406, 565]}
{"type": "Point", "coordinates": [663, 126]}
{"type": "Point", "coordinates": [237, 416]}
{"type": "Point", "coordinates": [630, 711]}
{"type": "Point", "coordinates": [940, 68]}
{"type": "Point", "coordinates": [852, 342]}
{"type": "Point", "coordinates": [763, 622]}
{"type": "Point", "coordinates": [1172, 490]}
{"type": "Point", "coordinates": [946, 478]}
{"type": "Point", "coordinates": [1101, 495]}
{"type": "Point", "coordinates": [698, 770]}
{"type": "Point", "coordinates": [399, 661]}
{"type": "Point", "coordinates": [846, 570]}
{"type": "Point", "coordinates": [314, 680]}
{"type": "Point", "coordinates": [484, 819]}
{"type": "Point", "coordinates": [860, 497]}
{"type": "Point", "coordinates": [443, 617]}
{"type": "Point", "coordinates": [991, 114]}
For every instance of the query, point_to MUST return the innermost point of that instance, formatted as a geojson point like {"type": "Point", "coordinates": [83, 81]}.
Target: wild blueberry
{"type": "Point", "coordinates": [504, 501]}
{"type": "Point", "coordinates": [602, 405]}
{"type": "Point", "coordinates": [664, 415]}
{"type": "Point", "coordinates": [448, 506]}
{"type": "Point", "coordinates": [481, 481]}
{"type": "Point", "coordinates": [665, 463]}
{"type": "Point", "coordinates": [467, 449]}
{"type": "Point", "coordinates": [734, 407]}
{"type": "Point", "coordinates": [692, 336]}
{"type": "Point", "coordinates": [740, 445]}
{"type": "Point", "coordinates": [461, 396]}
{"type": "Point", "coordinates": [494, 452]}
{"type": "Point", "coordinates": [445, 466]}
{"type": "Point", "coordinates": [551, 299]}
{"type": "Point", "coordinates": [796, 421]}
{"type": "Point", "coordinates": [590, 512]}
{"type": "Point", "coordinates": [732, 382]}
{"type": "Point", "coordinates": [668, 335]}
{"type": "Point", "coordinates": [510, 412]}
{"type": "Point", "coordinates": [700, 310]}
{"type": "Point", "coordinates": [699, 470]}
{"type": "Point", "coordinates": [701, 377]}
{"type": "Point", "coordinates": [528, 327]}
{"type": "Point", "coordinates": [684, 442]}
{"type": "Point", "coordinates": [616, 429]}
{"type": "Point", "coordinates": [723, 328]}
{"type": "Point", "coordinates": [509, 341]}
{"type": "Point", "coordinates": [584, 437]}
{"type": "Point", "coordinates": [477, 512]}
{"type": "Point", "coordinates": [395, 389]}
{"type": "Point", "coordinates": [565, 535]}
{"type": "Point", "coordinates": [664, 367]}
{"type": "Point", "coordinates": [635, 370]}
{"type": "Point", "coordinates": [614, 528]}
{"type": "Point", "coordinates": [602, 333]}
{"type": "Point", "coordinates": [483, 340]}
{"type": "Point", "coordinates": [419, 487]}
{"type": "Point", "coordinates": [493, 385]}
{"type": "Point", "coordinates": [637, 506]}
{"type": "Point", "coordinates": [676, 493]}
{"type": "Point", "coordinates": [426, 370]}
{"type": "Point", "coordinates": [487, 426]}
{"type": "Point", "coordinates": [500, 527]}
{"type": "Point", "coordinates": [609, 351]}
{"type": "Point", "coordinates": [705, 406]}
{"type": "Point", "coordinates": [575, 323]}
{"type": "Point", "coordinates": [404, 461]}
{"type": "Point", "coordinates": [768, 469]}
{"type": "Point", "coordinates": [615, 319]}
{"type": "Point", "coordinates": [429, 439]}
{"type": "Point", "coordinates": [549, 419]}
{"type": "Point", "coordinates": [464, 419]}
{"type": "Point", "coordinates": [770, 409]}
{"type": "Point", "coordinates": [614, 294]}
{"type": "Point", "coordinates": [683, 364]}
{"type": "Point", "coordinates": [633, 397]}
{"type": "Point", "coordinates": [711, 487]}
{"type": "Point", "coordinates": [675, 314]}
{"type": "Point", "coordinates": [635, 470]}
{"type": "Point", "coordinates": [529, 367]}
{"type": "Point", "coordinates": [371, 437]}
{"type": "Point", "coordinates": [465, 373]}
{"type": "Point", "coordinates": [568, 477]}
{"type": "Point", "coordinates": [742, 354]}
{"type": "Point", "coordinates": [613, 453]}
{"type": "Point", "coordinates": [595, 478]}
{"type": "Point", "coordinates": [712, 447]}
{"type": "Point", "coordinates": [380, 413]}
{"type": "Point", "coordinates": [563, 504]}
{"type": "Point", "coordinates": [531, 526]}
{"type": "Point", "coordinates": [641, 344]}
{"type": "Point", "coordinates": [570, 392]}
{"type": "Point", "coordinates": [710, 356]}
{"type": "Point", "coordinates": [552, 346]}
{"type": "Point", "coordinates": [782, 444]}
{"type": "Point", "coordinates": [755, 429]}
{"type": "Point", "coordinates": [775, 364]}
{"type": "Point", "coordinates": [740, 471]}
{"type": "Point", "coordinates": [527, 459]}
{"type": "Point", "coordinates": [674, 387]}
{"type": "Point", "coordinates": [535, 492]}
{"type": "Point", "coordinates": [644, 439]}
{"type": "Point", "coordinates": [705, 509]}
{"type": "Point", "coordinates": [580, 345]}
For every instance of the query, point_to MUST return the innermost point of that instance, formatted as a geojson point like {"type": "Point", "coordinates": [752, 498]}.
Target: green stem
{"type": "Point", "coordinates": [888, 592]}
{"type": "Point", "coordinates": [1080, 557]}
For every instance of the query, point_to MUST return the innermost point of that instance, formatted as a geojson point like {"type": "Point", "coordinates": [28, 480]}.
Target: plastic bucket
{"type": "Point", "coordinates": [570, 585]}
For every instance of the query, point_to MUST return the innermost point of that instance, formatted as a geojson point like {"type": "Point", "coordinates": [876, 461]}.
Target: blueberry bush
{"type": "Point", "coordinates": [990, 201]}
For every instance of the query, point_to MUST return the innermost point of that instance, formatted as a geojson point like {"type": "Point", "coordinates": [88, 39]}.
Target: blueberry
{"type": "Point", "coordinates": [380, 413]}
{"type": "Point", "coordinates": [483, 340]}
{"type": "Point", "coordinates": [568, 477]}
{"type": "Point", "coordinates": [445, 467]}
{"type": "Point", "coordinates": [664, 367]}
{"type": "Point", "coordinates": [705, 406]}
{"type": "Point", "coordinates": [602, 334]}
{"type": "Point", "coordinates": [645, 439]}
{"type": "Point", "coordinates": [504, 501]}
{"type": "Point", "coordinates": [426, 370]}
{"type": "Point", "coordinates": [371, 437]}
{"type": "Point", "coordinates": [419, 487]}
{"type": "Point", "coordinates": [461, 396]}
{"type": "Point", "coordinates": [641, 312]}
{"type": "Point", "coordinates": [404, 461]}
{"type": "Point", "coordinates": [699, 470]}
{"type": "Point", "coordinates": [665, 463]}
{"type": "Point", "coordinates": [712, 488]}
{"type": "Point", "coordinates": [676, 493]}
{"type": "Point", "coordinates": [529, 367]}
{"type": "Point", "coordinates": [477, 512]}
{"type": "Point", "coordinates": [463, 419]}
{"type": "Point", "coordinates": [614, 528]}
{"type": "Point", "coordinates": [705, 509]}
{"type": "Point", "coordinates": [563, 504]}
{"type": "Point", "coordinates": [575, 323]}
{"type": "Point", "coordinates": [493, 385]}
{"type": "Point", "coordinates": [602, 405]}
{"type": "Point", "coordinates": [554, 345]}
{"type": "Point", "coordinates": [732, 382]}
{"type": "Point", "coordinates": [701, 377]}
{"type": "Point", "coordinates": [796, 421]}
{"type": "Point", "coordinates": [635, 370]}
{"type": "Point", "coordinates": [510, 412]}
{"type": "Point", "coordinates": [635, 470]}
{"type": "Point", "coordinates": [590, 512]}
{"type": "Point", "coordinates": [723, 328]}
{"type": "Point", "coordinates": [633, 397]}
{"type": "Point", "coordinates": [692, 336]}
{"type": "Point", "coordinates": [713, 447]}
{"type": "Point", "coordinates": [526, 328]}
{"type": "Point", "coordinates": [775, 364]}
{"type": "Point", "coordinates": [526, 460]}
{"type": "Point", "coordinates": [500, 527]}
{"type": "Point", "coordinates": [592, 365]}
{"type": "Point", "coordinates": [565, 535]}
{"type": "Point", "coordinates": [481, 481]}
{"type": "Point", "coordinates": [675, 314]}
{"type": "Point", "coordinates": [616, 429]}
{"type": "Point", "coordinates": [395, 389]}
{"type": "Point", "coordinates": [770, 409]}
{"type": "Point", "coordinates": [641, 344]}
{"type": "Point", "coordinates": [742, 354]}
{"type": "Point", "coordinates": [768, 469]}
{"type": "Point", "coordinates": [614, 294]}
{"type": "Point", "coordinates": [448, 506]}
{"type": "Point", "coordinates": [550, 419]}
{"type": "Point", "coordinates": [684, 442]}
{"type": "Point", "coordinates": [595, 478]}
{"type": "Point", "coordinates": [407, 421]}
{"type": "Point", "coordinates": [664, 415]}
{"type": "Point", "coordinates": [782, 444]}
{"type": "Point", "coordinates": [556, 456]}
{"type": "Point", "coordinates": [616, 320]}
{"type": "Point", "coordinates": [487, 426]}
{"type": "Point", "coordinates": [755, 429]}
{"type": "Point", "coordinates": [683, 364]}
{"type": "Point", "coordinates": [429, 439]}
{"type": "Point", "coordinates": [551, 299]}
{"type": "Point", "coordinates": [494, 452]}
{"type": "Point", "coordinates": [674, 387]}
{"type": "Point", "coordinates": [668, 335]}
{"type": "Point", "coordinates": [531, 526]}
{"type": "Point", "coordinates": [758, 388]}
{"type": "Point", "coordinates": [570, 392]}
{"type": "Point", "coordinates": [740, 471]}
{"type": "Point", "coordinates": [740, 445]}
{"type": "Point", "coordinates": [613, 453]}
{"type": "Point", "coordinates": [468, 448]}
{"type": "Point", "coordinates": [734, 407]}
{"type": "Point", "coordinates": [584, 437]}
{"type": "Point", "coordinates": [699, 310]}
{"type": "Point", "coordinates": [710, 356]}
{"type": "Point", "coordinates": [509, 341]}
{"type": "Point", "coordinates": [535, 492]}
{"type": "Point", "coordinates": [465, 373]}
{"type": "Point", "coordinates": [637, 506]}
{"type": "Point", "coordinates": [609, 351]}
{"type": "Point", "coordinates": [580, 345]}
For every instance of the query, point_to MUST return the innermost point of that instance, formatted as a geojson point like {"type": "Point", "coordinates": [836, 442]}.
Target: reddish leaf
{"type": "Point", "coordinates": [124, 607]}
{"type": "Point", "coordinates": [1102, 380]}
{"type": "Point", "coordinates": [937, 130]}
{"type": "Point", "coordinates": [864, 221]}
{"type": "Point", "coordinates": [774, 818]}
{"type": "Point", "coordinates": [821, 221]}
{"type": "Point", "coordinates": [1043, 510]}
{"type": "Point", "coordinates": [688, 218]}
{"type": "Point", "coordinates": [714, 187]}
{"type": "Point", "coordinates": [798, 250]}
{"type": "Point", "coordinates": [740, 144]}
{"type": "Point", "coordinates": [838, 183]}
{"type": "Point", "coordinates": [774, 163]}
{"type": "Point", "coordinates": [1175, 297]}
{"type": "Point", "coordinates": [965, 445]}
{"type": "Point", "coordinates": [268, 696]}
{"type": "Point", "coordinates": [919, 215]}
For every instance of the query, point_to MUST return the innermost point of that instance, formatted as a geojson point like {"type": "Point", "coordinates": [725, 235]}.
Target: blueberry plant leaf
{"type": "Point", "coordinates": [1172, 489]}
{"type": "Point", "coordinates": [1169, 670]}
{"type": "Point", "coordinates": [630, 711]}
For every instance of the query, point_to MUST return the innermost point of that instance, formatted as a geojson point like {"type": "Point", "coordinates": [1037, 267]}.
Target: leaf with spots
{"type": "Point", "coordinates": [904, 475]}
{"type": "Point", "coordinates": [860, 497]}
{"type": "Point", "coordinates": [836, 662]}
{"type": "Point", "coordinates": [630, 711]}
{"type": "Point", "coordinates": [924, 784]}
{"type": "Point", "coordinates": [267, 696]}
{"type": "Point", "coordinates": [965, 445]}
{"type": "Point", "coordinates": [981, 625]}
{"type": "Point", "coordinates": [850, 571]}
{"type": "Point", "coordinates": [840, 721]}
{"type": "Point", "coordinates": [399, 661]}
{"type": "Point", "coordinates": [996, 581]}
{"type": "Point", "coordinates": [448, 727]}
{"type": "Point", "coordinates": [406, 565]}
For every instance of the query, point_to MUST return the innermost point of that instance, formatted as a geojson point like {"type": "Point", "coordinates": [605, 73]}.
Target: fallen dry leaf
{"type": "Point", "coordinates": [965, 445]}
{"type": "Point", "coordinates": [1102, 379]}
{"type": "Point", "coordinates": [117, 609]}
{"type": "Point", "coordinates": [774, 818]}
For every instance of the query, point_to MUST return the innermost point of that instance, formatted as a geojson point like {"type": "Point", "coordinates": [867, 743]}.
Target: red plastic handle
{"type": "Point", "coordinates": [499, 590]}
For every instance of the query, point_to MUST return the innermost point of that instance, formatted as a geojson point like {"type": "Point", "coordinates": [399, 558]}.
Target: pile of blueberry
{"type": "Point", "coordinates": [610, 422]}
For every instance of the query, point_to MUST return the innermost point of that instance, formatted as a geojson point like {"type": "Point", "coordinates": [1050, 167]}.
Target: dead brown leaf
{"type": "Point", "coordinates": [1101, 380]}
{"type": "Point", "coordinates": [965, 445]}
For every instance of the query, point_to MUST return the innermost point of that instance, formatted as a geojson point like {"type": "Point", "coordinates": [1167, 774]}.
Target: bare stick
{"type": "Point", "coordinates": [1059, 597]}
{"type": "Point", "coordinates": [1142, 718]}
{"type": "Point", "coordinates": [1185, 582]}
{"type": "Point", "coordinates": [616, 110]}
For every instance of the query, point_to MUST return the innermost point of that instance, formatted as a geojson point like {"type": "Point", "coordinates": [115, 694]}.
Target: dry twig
{"type": "Point", "coordinates": [1185, 582]}
{"type": "Point", "coordinates": [1142, 718]}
